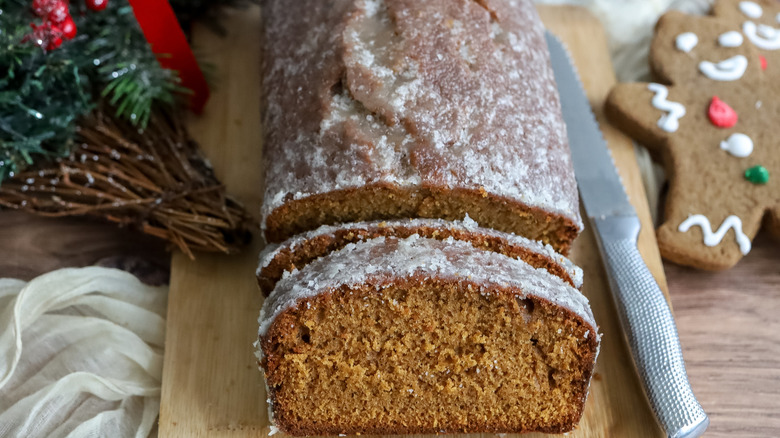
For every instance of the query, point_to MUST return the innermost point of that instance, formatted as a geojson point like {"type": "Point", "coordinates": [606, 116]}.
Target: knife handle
{"type": "Point", "coordinates": [650, 329]}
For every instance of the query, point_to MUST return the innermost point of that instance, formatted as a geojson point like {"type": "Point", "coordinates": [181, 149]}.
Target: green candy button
{"type": "Point", "coordinates": [757, 175]}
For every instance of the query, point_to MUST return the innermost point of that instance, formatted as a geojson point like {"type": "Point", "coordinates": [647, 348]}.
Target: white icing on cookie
{"type": "Point", "coordinates": [763, 36]}
{"type": "Point", "coordinates": [685, 42]}
{"type": "Point", "coordinates": [751, 9]}
{"type": "Point", "coordinates": [730, 39]}
{"type": "Point", "coordinates": [727, 70]}
{"type": "Point", "coordinates": [670, 121]}
{"type": "Point", "coordinates": [712, 239]}
{"type": "Point", "coordinates": [738, 145]}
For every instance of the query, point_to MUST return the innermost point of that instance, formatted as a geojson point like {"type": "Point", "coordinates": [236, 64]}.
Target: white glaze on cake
{"type": "Point", "coordinates": [384, 259]}
{"type": "Point", "coordinates": [437, 94]}
{"type": "Point", "coordinates": [469, 225]}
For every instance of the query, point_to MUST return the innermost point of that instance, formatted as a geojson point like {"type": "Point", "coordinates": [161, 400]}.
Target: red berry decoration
{"type": "Point", "coordinates": [721, 114]}
{"type": "Point", "coordinates": [59, 12]}
{"type": "Point", "coordinates": [39, 35]}
{"type": "Point", "coordinates": [97, 5]}
{"type": "Point", "coordinates": [68, 28]}
{"type": "Point", "coordinates": [42, 8]}
{"type": "Point", "coordinates": [45, 35]}
{"type": "Point", "coordinates": [54, 42]}
{"type": "Point", "coordinates": [762, 60]}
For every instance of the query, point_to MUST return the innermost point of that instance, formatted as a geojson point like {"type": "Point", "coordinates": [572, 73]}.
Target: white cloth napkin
{"type": "Point", "coordinates": [629, 25]}
{"type": "Point", "coordinates": [80, 354]}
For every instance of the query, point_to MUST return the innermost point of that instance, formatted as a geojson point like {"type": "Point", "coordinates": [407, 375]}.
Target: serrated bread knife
{"type": "Point", "coordinates": [644, 313]}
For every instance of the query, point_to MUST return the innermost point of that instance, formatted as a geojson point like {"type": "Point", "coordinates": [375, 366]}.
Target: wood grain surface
{"type": "Point", "coordinates": [32, 245]}
{"type": "Point", "coordinates": [728, 321]}
{"type": "Point", "coordinates": [729, 324]}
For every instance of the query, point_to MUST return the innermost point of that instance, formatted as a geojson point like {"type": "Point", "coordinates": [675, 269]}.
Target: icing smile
{"type": "Point", "coordinates": [727, 70]}
{"type": "Point", "coordinates": [763, 36]}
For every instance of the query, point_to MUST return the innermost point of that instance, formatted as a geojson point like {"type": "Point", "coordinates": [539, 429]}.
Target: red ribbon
{"type": "Point", "coordinates": [165, 36]}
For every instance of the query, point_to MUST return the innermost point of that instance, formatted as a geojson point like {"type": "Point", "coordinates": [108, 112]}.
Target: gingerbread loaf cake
{"type": "Point", "coordinates": [388, 109]}
{"type": "Point", "coordinates": [418, 335]}
{"type": "Point", "coordinates": [298, 251]}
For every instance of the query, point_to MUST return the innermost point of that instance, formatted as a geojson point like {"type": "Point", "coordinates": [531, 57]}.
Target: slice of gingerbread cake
{"type": "Point", "coordinates": [387, 109]}
{"type": "Point", "coordinates": [418, 335]}
{"type": "Point", "coordinates": [297, 251]}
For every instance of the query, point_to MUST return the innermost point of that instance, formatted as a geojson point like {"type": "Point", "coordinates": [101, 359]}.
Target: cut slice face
{"type": "Point", "coordinates": [418, 335]}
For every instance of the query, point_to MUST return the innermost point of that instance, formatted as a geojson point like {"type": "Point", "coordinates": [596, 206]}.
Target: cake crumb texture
{"type": "Point", "coordinates": [428, 357]}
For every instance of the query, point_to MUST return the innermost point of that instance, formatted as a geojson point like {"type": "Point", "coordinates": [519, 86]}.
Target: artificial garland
{"type": "Point", "coordinates": [90, 124]}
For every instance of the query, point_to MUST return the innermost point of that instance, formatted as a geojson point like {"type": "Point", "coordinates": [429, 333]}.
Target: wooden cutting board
{"type": "Point", "coordinates": [211, 385]}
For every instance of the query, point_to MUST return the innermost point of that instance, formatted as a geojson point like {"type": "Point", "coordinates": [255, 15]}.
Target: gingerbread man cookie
{"type": "Point", "coordinates": [713, 120]}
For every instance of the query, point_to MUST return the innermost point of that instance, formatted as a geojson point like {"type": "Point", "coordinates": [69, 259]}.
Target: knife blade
{"type": "Point", "coordinates": [644, 313]}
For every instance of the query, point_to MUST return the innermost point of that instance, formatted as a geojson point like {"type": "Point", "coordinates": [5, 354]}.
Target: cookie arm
{"type": "Point", "coordinates": [630, 107]}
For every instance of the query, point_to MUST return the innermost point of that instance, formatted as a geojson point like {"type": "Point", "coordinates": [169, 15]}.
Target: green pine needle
{"type": "Point", "coordinates": [43, 94]}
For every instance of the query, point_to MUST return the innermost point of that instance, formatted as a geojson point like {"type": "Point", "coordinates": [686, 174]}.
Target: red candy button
{"type": "Point", "coordinates": [763, 61]}
{"type": "Point", "coordinates": [721, 114]}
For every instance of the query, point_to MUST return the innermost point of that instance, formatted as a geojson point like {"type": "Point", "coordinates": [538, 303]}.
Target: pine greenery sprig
{"type": "Point", "coordinates": [43, 93]}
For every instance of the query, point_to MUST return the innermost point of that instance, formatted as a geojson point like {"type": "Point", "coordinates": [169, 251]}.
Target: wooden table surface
{"type": "Point", "coordinates": [729, 325]}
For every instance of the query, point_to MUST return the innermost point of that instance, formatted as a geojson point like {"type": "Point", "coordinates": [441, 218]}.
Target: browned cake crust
{"type": "Point", "coordinates": [416, 335]}
{"type": "Point", "coordinates": [388, 109]}
{"type": "Point", "coordinates": [298, 251]}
